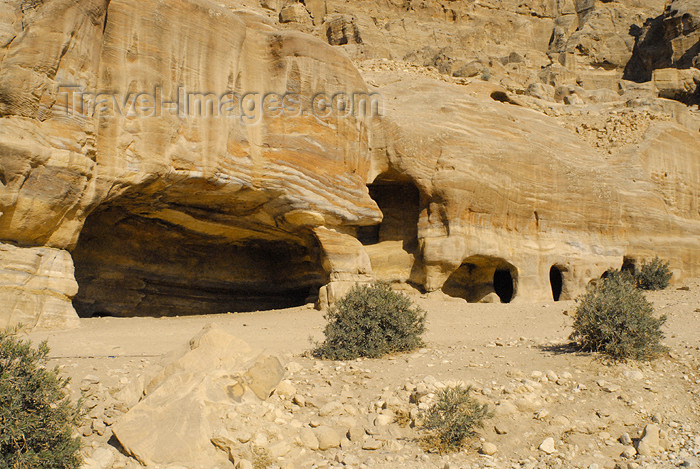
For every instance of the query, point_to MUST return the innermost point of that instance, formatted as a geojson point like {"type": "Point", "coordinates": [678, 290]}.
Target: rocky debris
{"type": "Point", "coordinates": [617, 129]}
{"type": "Point", "coordinates": [573, 412]}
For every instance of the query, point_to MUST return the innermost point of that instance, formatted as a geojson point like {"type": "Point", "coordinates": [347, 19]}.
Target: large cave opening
{"type": "Point", "coordinates": [480, 276]}
{"type": "Point", "coordinates": [128, 265]}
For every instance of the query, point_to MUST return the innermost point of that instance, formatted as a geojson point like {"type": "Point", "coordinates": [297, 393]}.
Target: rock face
{"type": "Point", "coordinates": [220, 169]}
{"type": "Point", "coordinates": [128, 182]}
{"type": "Point", "coordinates": [37, 280]}
{"type": "Point", "coordinates": [671, 40]}
{"type": "Point", "coordinates": [191, 395]}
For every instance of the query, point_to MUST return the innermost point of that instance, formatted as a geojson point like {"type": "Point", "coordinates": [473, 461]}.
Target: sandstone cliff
{"type": "Point", "coordinates": [544, 168]}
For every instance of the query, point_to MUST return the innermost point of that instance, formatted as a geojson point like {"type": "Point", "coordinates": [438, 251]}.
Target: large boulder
{"type": "Point", "coordinates": [187, 402]}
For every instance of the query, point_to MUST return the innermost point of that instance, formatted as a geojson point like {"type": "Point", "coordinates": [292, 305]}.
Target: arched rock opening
{"type": "Point", "coordinates": [479, 276]}
{"type": "Point", "coordinates": [128, 265]}
{"type": "Point", "coordinates": [556, 281]}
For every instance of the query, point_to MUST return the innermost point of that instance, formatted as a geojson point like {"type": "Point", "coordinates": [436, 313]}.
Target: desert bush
{"type": "Point", "coordinates": [452, 419]}
{"type": "Point", "coordinates": [371, 321]}
{"type": "Point", "coordinates": [615, 319]}
{"type": "Point", "coordinates": [654, 275]}
{"type": "Point", "coordinates": [37, 418]}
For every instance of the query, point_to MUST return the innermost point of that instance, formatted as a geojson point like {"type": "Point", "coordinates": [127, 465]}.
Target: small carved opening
{"type": "Point", "coordinates": [556, 281]}
{"type": "Point", "coordinates": [480, 278]}
{"type": "Point", "coordinates": [399, 201]}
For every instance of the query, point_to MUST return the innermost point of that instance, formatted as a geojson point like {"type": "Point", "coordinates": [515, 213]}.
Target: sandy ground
{"type": "Point", "coordinates": [506, 351]}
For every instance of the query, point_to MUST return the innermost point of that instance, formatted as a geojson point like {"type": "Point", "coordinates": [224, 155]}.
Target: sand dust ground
{"type": "Point", "coordinates": [497, 347]}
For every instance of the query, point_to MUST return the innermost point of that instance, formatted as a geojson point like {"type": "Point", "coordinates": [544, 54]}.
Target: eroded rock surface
{"type": "Point", "coordinates": [508, 158]}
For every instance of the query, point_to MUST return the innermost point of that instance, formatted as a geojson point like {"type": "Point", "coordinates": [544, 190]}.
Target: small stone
{"type": "Point", "coordinates": [350, 460]}
{"type": "Point", "coordinates": [279, 449]}
{"type": "Point", "coordinates": [285, 388]}
{"type": "Point", "coordinates": [625, 439]}
{"type": "Point", "coordinates": [327, 438]}
{"type": "Point", "coordinates": [356, 434]}
{"type": "Point", "coordinates": [656, 418]}
{"type": "Point", "coordinates": [634, 374]}
{"type": "Point", "coordinates": [650, 434]}
{"type": "Point", "coordinates": [244, 464]}
{"type": "Point", "coordinates": [103, 457]}
{"type": "Point", "coordinates": [260, 440]}
{"type": "Point", "coordinates": [99, 427]}
{"type": "Point", "coordinates": [244, 437]}
{"type": "Point", "coordinates": [629, 452]}
{"type": "Point", "coordinates": [372, 444]}
{"type": "Point", "coordinates": [299, 400]}
{"type": "Point", "coordinates": [650, 441]}
{"type": "Point", "coordinates": [501, 429]}
{"type": "Point", "coordinates": [383, 420]}
{"type": "Point", "coordinates": [313, 423]}
{"type": "Point", "coordinates": [90, 379]}
{"type": "Point", "coordinates": [308, 439]}
{"type": "Point", "coordinates": [547, 446]}
{"type": "Point", "coordinates": [488, 449]}
{"type": "Point", "coordinates": [332, 408]}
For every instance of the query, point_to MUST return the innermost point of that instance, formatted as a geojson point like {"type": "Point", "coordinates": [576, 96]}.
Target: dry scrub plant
{"type": "Point", "coordinates": [371, 321]}
{"type": "Point", "coordinates": [37, 418]}
{"type": "Point", "coordinates": [452, 419]}
{"type": "Point", "coordinates": [615, 319]}
{"type": "Point", "coordinates": [654, 275]}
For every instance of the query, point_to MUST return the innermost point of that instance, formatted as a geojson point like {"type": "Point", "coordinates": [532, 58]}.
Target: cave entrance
{"type": "Point", "coordinates": [127, 265]}
{"type": "Point", "coordinates": [556, 281]}
{"type": "Point", "coordinates": [503, 285]}
{"type": "Point", "coordinates": [629, 265]}
{"type": "Point", "coordinates": [399, 201]}
{"type": "Point", "coordinates": [481, 276]}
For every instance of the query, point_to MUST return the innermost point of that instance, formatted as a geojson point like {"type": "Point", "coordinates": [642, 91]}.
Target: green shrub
{"type": "Point", "coordinates": [37, 418]}
{"type": "Point", "coordinates": [615, 319]}
{"type": "Point", "coordinates": [654, 275]}
{"type": "Point", "coordinates": [452, 419]}
{"type": "Point", "coordinates": [371, 321]}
